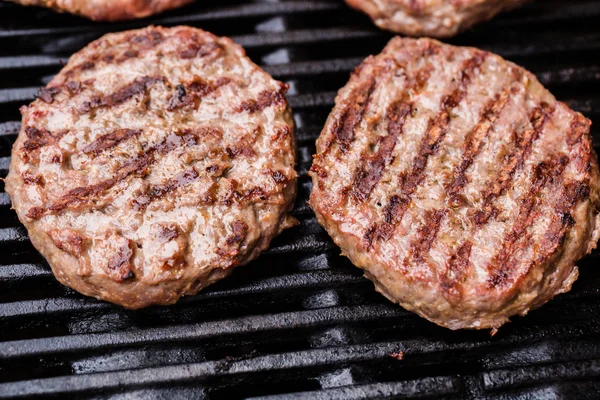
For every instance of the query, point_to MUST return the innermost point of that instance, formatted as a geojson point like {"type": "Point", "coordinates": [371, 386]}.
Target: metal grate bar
{"type": "Point", "coordinates": [293, 320]}
{"type": "Point", "coordinates": [63, 305]}
{"type": "Point", "coordinates": [439, 386]}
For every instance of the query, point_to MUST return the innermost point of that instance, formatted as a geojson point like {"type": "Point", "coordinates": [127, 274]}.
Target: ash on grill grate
{"type": "Point", "coordinates": [299, 321]}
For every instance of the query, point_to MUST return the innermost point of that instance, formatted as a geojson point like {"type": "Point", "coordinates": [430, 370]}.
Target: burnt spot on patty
{"type": "Point", "coordinates": [47, 94]}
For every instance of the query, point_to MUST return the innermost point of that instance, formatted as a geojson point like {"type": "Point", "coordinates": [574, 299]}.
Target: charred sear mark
{"type": "Point", "coordinates": [562, 220]}
{"type": "Point", "coordinates": [456, 271]}
{"type": "Point", "coordinates": [503, 265]}
{"type": "Point", "coordinates": [47, 94]}
{"type": "Point", "coordinates": [239, 230]}
{"type": "Point", "coordinates": [265, 99]}
{"type": "Point", "coordinates": [278, 176]}
{"type": "Point", "coordinates": [73, 86]}
{"type": "Point", "coordinates": [31, 179]}
{"type": "Point", "coordinates": [86, 195]}
{"type": "Point", "coordinates": [427, 233]}
{"type": "Point", "coordinates": [512, 162]}
{"type": "Point", "coordinates": [37, 138]}
{"type": "Point", "coordinates": [110, 140]}
{"type": "Point", "coordinates": [194, 50]}
{"type": "Point", "coordinates": [580, 127]}
{"type": "Point", "coordinates": [436, 131]}
{"type": "Point", "coordinates": [186, 95]}
{"type": "Point", "coordinates": [358, 102]}
{"type": "Point", "coordinates": [138, 86]}
{"type": "Point", "coordinates": [156, 192]}
{"type": "Point", "coordinates": [119, 265]}
{"type": "Point", "coordinates": [68, 240]}
{"type": "Point", "coordinates": [147, 41]}
{"type": "Point", "coordinates": [245, 196]}
{"type": "Point", "coordinates": [234, 243]}
{"type": "Point", "coordinates": [166, 233]}
{"type": "Point", "coordinates": [474, 143]}
{"type": "Point", "coordinates": [369, 173]}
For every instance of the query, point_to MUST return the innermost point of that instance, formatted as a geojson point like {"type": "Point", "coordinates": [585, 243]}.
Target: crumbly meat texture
{"type": "Point", "coordinates": [108, 10]}
{"type": "Point", "coordinates": [153, 163]}
{"type": "Point", "coordinates": [435, 18]}
{"type": "Point", "coordinates": [457, 182]}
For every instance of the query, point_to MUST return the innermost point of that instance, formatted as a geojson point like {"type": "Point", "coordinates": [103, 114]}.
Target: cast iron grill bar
{"type": "Point", "coordinates": [340, 328]}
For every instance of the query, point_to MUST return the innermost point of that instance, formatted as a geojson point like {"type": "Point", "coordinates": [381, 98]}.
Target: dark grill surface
{"type": "Point", "coordinates": [300, 321]}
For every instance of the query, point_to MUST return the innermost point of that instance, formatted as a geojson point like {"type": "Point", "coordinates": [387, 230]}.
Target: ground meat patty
{"type": "Point", "coordinates": [108, 10]}
{"type": "Point", "coordinates": [457, 182]}
{"type": "Point", "coordinates": [436, 18]}
{"type": "Point", "coordinates": [153, 163]}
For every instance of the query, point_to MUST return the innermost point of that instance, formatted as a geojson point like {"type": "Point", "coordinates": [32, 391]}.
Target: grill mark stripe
{"type": "Point", "coordinates": [110, 140]}
{"type": "Point", "coordinates": [343, 129]}
{"type": "Point", "coordinates": [159, 191]}
{"type": "Point", "coordinates": [138, 86]}
{"type": "Point", "coordinates": [188, 94]}
{"type": "Point", "coordinates": [398, 204]}
{"type": "Point", "coordinates": [38, 138]}
{"type": "Point", "coordinates": [545, 172]}
{"type": "Point", "coordinates": [86, 194]}
{"type": "Point", "coordinates": [455, 270]}
{"type": "Point", "coordinates": [265, 99]}
{"type": "Point", "coordinates": [474, 142]}
{"type": "Point", "coordinates": [563, 219]}
{"type": "Point", "coordinates": [369, 174]}
{"type": "Point", "coordinates": [512, 163]}
{"type": "Point", "coordinates": [426, 234]}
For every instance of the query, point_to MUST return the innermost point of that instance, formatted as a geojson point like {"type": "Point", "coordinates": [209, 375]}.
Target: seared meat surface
{"type": "Point", "coordinates": [153, 163]}
{"type": "Point", "coordinates": [459, 184]}
{"type": "Point", "coordinates": [435, 18]}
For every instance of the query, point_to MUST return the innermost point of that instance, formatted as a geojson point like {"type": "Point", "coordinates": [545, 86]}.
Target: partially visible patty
{"type": "Point", "coordinates": [435, 18]}
{"type": "Point", "coordinates": [153, 163]}
{"type": "Point", "coordinates": [459, 184]}
{"type": "Point", "coordinates": [108, 10]}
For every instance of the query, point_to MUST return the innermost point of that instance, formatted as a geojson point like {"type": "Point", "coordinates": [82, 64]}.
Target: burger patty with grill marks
{"type": "Point", "coordinates": [459, 184]}
{"type": "Point", "coordinates": [435, 18]}
{"type": "Point", "coordinates": [153, 163]}
{"type": "Point", "coordinates": [108, 10]}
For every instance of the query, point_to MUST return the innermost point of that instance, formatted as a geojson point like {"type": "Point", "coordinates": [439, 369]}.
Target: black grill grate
{"type": "Point", "coordinates": [299, 321]}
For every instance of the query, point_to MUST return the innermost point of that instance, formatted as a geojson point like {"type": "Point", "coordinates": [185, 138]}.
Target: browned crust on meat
{"type": "Point", "coordinates": [170, 166]}
{"type": "Point", "coordinates": [480, 209]}
{"type": "Point", "coordinates": [108, 10]}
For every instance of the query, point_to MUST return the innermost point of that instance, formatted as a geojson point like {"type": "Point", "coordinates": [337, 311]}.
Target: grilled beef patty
{"type": "Point", "coordinates": [436, 18]}
{"type": "Point", "coordinates": [457, 182]}
{"type": "Point", "coordinates": [153, 163]}
{"type": "Point", "coordinates": [108, 10]}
